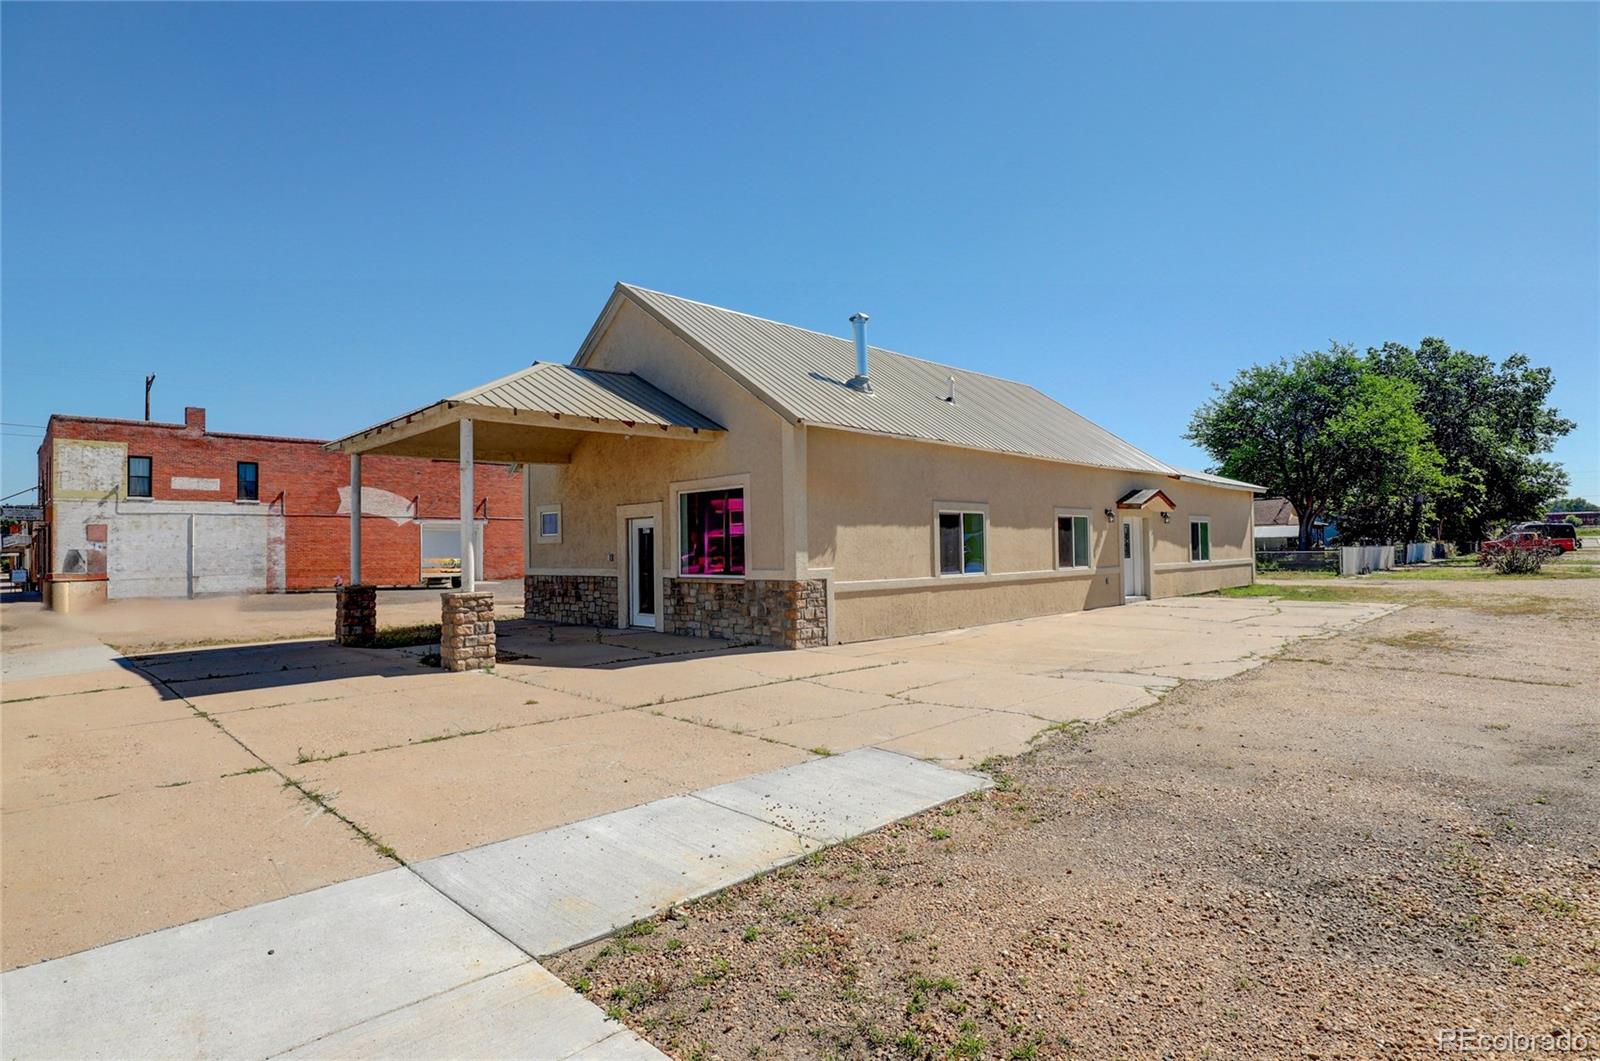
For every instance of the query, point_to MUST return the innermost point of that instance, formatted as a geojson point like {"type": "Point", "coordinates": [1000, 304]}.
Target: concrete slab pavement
{"type": "Point", "coordinates": [560, 889]}
{"type": "Point", "coordinates": [77, 875]}
{"type": "Point", "coordinates": [255, 982]}
{"type": "Point", "coordinates": [598, 739]}
{"type": "Point", "coordinates": [521, 1012]}
{"type": "Point", "coordinates": [387, 965]}
{"type": "Point", "coordinates": [833, 799]}
{"type": "Point", "coordinates": [431, 799]}
{"type": "Point", "coordinates": [288, 734]}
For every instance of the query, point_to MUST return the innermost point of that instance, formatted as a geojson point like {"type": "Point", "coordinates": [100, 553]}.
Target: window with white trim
{"type": "Point", "coordinates": [548, 525]}
{"type": "Point", "coordinates": [962, 544]}
{"type": "Point", "coordinates": [1072, 541]}
{"type": "Point", "coordinates": [711, 532]}
{"type": "Point", "coordinates": [1199, 539]}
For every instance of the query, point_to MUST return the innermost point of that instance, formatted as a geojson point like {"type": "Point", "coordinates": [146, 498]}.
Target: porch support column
{"type": "Point", "coordinates": [355, 519]}
{"type": "Point", "coordinates": [355, 606]}
{"type": "Point", "coordinates": [469, 565]}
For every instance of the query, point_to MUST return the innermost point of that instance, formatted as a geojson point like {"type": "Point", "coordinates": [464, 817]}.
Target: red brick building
{"type": "Point", "coordinates": [150, 509]}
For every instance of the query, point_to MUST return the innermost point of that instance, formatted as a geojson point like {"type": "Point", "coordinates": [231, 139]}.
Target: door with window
{"type": "Point", "coordinates": [642, 572]}
{"type": "Point", "coordinates": [1135, 571]}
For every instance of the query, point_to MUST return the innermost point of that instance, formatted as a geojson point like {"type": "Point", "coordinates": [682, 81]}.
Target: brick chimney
{"type": "Point", "coordinates": [194, 418]}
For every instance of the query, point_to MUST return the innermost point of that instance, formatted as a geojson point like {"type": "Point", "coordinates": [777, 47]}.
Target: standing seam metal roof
{"type": "Point", "coordinates": [553, 388]}
{"type": "Point", "coordinates": [805, 372]}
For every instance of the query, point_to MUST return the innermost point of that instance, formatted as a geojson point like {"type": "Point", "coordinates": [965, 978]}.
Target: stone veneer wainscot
{"type": "Point", "coordinates": [764, 611]}
{"type": "Point", "coordinates": [582, 600]}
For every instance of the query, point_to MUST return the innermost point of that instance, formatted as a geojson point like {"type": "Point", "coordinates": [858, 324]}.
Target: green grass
{"type": "Point", "coordinates": [407, 636]}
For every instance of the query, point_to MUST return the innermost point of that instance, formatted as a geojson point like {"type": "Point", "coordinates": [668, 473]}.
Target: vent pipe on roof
{"type": "Point", "coordinates": [861, 382]}
{"type": "Point", "coordinates": [951, 397]}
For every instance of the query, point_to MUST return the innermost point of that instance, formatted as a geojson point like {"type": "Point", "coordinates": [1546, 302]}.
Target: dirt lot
{"type": "Point", "coordinates": [1369, 840]}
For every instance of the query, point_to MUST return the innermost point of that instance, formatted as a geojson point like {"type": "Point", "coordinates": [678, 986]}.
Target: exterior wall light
{"type": "Point", "coordinates": [1110, 515]}
{"type": "Point", "coordinates": [1166, 517]}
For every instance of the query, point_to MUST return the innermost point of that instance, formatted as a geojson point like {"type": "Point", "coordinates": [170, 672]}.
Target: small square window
{"type": "Point", "coordinates": [1199, 539]}
{"type": "Point", "coordinates": [547, 523]}
{"type": "Point", "coordinates": [249, 482]}
{"type": "Point", "coordinates": [140, 477]}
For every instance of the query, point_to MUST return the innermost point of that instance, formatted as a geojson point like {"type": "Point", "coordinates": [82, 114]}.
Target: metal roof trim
{"type": "Point", "coordinates": [1207, 479]}
{"type": "Point", "coordinates": [924, 440]}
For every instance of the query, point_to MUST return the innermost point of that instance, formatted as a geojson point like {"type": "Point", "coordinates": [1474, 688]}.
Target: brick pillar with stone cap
{"type": "Point", "coordinates": [355, 614]}
{"type": "Point", "coordinates": [466, 631]}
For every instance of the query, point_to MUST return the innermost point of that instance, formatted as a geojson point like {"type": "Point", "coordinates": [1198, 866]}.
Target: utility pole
{"type": "Point", "coordinates": [149, 381]}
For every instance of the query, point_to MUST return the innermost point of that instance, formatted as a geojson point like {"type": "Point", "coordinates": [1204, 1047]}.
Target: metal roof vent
{"type": "Point", "coordinates": [951, 397]}
{"type": "Point", "coordinates": [860, 382]}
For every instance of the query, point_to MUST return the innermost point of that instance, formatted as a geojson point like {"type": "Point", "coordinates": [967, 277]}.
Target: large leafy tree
{"type": "Point", "coordinates": [1491, 424]}
{"type": "Point", "coordinates": [1328, 432]}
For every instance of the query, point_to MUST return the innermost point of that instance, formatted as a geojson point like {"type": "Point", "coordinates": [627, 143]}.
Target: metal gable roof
{"type": "Point", "coordinates": [553, 388]}
{"type": "Point", "coordinates": [802, 373]}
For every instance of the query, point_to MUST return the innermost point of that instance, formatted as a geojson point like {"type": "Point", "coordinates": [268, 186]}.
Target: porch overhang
{"type": "Point", "coordinates": [536, 416]}
{"type": "Point", "coordinates": [1145, 501]}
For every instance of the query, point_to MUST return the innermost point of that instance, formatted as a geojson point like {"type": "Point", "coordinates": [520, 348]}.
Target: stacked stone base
{"type": "Point", "coordinates": [466, 631]}
{"type": "Point", "coordinates": [783, 613]}
{"type": "Point", "coordinates": [355, 614]}
{"type": "Point", "coordinates": [582, 600]}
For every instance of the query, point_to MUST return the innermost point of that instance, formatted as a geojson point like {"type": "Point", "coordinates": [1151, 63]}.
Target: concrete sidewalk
{"type": "Point", "coordinates": [437, 959]}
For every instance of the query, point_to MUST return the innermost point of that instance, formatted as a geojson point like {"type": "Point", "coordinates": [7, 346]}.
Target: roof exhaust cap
{"type": "Point", "coordinates": [860, 382]}
{"type": "Point", "coordinates": [951, 397]}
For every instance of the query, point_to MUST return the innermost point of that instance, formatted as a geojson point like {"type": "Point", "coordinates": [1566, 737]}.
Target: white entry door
{"type": "Point", "coordinates": [1134, 569]}
{"type": "Point", "coordinates": [642, 572]}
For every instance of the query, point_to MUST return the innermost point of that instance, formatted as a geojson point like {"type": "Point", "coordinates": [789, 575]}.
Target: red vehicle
{"type": "Point", "coordinates": [1563, 535]}
{"type": "Point", "coordinates": [1524, 539]}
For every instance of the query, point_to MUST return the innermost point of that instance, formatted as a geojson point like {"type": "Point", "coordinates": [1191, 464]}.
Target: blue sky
{"type": "Point", "coordinates": [309, 217]}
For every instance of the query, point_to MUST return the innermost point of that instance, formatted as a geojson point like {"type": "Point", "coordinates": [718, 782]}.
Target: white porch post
{"type": "Point", "coordinates": [355, 519]}
{"type": "Point", "coordinates": [469, 566]}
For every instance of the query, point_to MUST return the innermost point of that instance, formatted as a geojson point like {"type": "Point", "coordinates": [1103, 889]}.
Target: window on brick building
{"type": "Point", "coordinates": [139, 477]}
{"type": "Point", "coordinates": [249, 484]}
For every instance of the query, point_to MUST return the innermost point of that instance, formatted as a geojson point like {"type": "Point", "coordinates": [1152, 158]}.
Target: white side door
{"type": "Point", "coordinates": [642, 582]}
{"type": "Point", "coordinates": [1133, 564]}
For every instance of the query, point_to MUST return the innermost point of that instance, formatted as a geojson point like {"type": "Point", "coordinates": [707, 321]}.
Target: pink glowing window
{"type": "Point", "coordinates": [711, 532]}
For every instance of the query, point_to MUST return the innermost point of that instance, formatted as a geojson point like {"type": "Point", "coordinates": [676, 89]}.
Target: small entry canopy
{"type": "Point", "coordinates": [1149, 500]}
{"type": "Point", "coordinates": [535, 416]}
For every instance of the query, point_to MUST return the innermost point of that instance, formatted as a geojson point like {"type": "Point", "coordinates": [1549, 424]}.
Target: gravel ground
{"type": "Point", "coordinates": [1364, 842]}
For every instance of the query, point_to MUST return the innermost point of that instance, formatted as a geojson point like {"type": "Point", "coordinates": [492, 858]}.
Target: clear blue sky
{"type": "Point", "coordinates": [309, 217]}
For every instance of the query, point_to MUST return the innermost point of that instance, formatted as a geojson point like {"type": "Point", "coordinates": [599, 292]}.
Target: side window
{"type": "Point", "coordinates": [961, 543]}
{"type": "Point", "coordinates": [139, 477]}
{"type": "Point", "coordinates": [1072, 541]}
{"type": "Point", "coordinates": [249, 484]}
{"type": "Point", "coordinates": [1199, 539]}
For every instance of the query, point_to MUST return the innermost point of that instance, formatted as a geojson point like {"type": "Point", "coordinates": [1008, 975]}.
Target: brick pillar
{"type": "Point", "coordinates": [355, 614]}
{"type": "Point", "coordinates": [466, 631]}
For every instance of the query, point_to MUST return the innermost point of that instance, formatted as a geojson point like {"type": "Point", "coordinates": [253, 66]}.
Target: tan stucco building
{"type": "Point", "coordinates": [703, 471]}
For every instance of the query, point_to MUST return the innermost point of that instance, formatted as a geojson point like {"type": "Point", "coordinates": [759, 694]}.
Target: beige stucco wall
{"type": "Point", "coordinates": [871, 505]}
{"type": "Point", "coordinates": [608, 471]}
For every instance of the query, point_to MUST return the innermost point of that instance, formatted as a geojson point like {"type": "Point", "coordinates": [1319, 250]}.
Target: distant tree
{"type": "Point", "coordinates": [1572, 504]}
{"type": "Point", "coordinates": [1330, 434]}
{"type": "Point", "coordinates": [1490, 424]}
